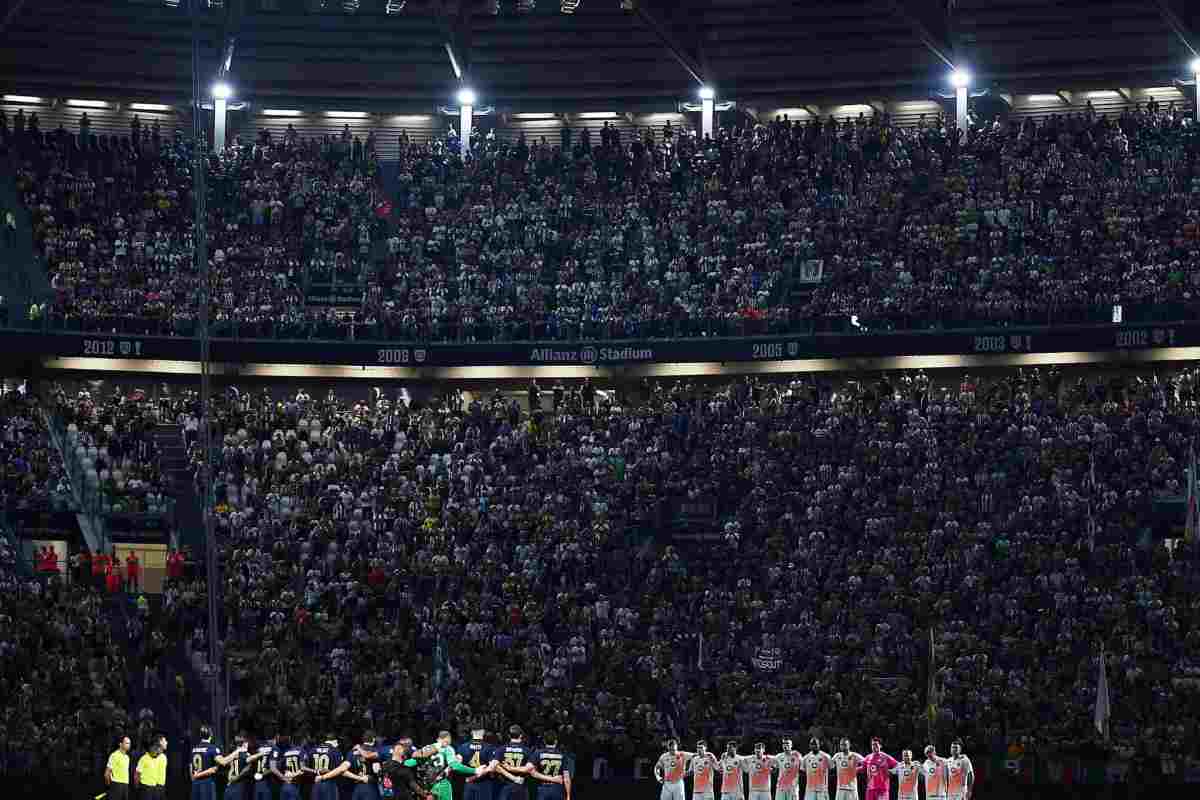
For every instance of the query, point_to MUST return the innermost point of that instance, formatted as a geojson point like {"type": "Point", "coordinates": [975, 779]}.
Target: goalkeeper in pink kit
{"type": "Point", "coordinates": [878, 768]}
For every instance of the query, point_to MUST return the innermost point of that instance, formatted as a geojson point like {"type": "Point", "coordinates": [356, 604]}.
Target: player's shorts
{"type": "Point", "coordinates": [876, 794]}
{"type": "Point", "coordinates": [758, 795]}
{"type": "Point", "coordinates": [731, 796]}
{"type": "Point", "coordinates": [207, 790]}
{"type": "Point", "coordinates": [787, 794]}
{"type": "Point", "coordinates": [480, 790]}
{"type": "Point", "coordinates": [262, 789]}
{"type": "Point", "coordinates": [235, 792]}
{"type": "Point", "coordinates": [672, 790]}
{"type": "Point", "coordinates": [325, 790]}
{"type": "Point", "coordinates": [289, 791]}
{"type": "Point", "coordinates": [816, 794]}
{"type": "Point", "coordinates": [364, 791]}
{"type": "Point", "coordinates": [704, 796]}
{"type": "Point", "coordinates": [847, 794]}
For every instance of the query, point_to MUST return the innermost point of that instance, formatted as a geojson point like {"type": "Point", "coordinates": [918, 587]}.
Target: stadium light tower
{"type": "Point", "coordinates": [708, 110]}
{"type": "Point", "coordinates": [466, 108]}
{"type": "Point", "coordinates": [960, 79]}
{"type": "Point", "coordinates": [221, 92]}
{"type": "Point", "coordinates": [1196, 89]}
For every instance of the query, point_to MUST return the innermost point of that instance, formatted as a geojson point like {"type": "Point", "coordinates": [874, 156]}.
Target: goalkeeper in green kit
{"type": "Point", "coordinates": [440, 759]}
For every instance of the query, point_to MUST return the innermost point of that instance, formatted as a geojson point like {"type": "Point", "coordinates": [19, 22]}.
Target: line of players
{"type": "Point", "coordinates": [378, 771]}
{"type": "Point", "coordinates": [950, 778]}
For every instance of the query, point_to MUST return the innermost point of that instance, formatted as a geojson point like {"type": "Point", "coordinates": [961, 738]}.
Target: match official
{"type": "Point", "coordinates": [151, 770]}
{"type": "Point", "coordinates": [116, 774]}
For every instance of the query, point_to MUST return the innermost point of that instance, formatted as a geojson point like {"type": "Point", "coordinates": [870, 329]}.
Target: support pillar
{"type": "Point", "coordinates": [707, 112]}
{"type": "Point", "coordinates": [464, 112]}
{"type": "Point", "coordinates": [1196, 95]}
{"type": "Point", "coordinates": [220, 112]}
{"type": "Point", "coordinates": [960, 110]}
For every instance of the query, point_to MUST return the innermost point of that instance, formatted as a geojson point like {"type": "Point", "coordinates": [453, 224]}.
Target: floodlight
{"type": "Point", "coordinates": [466, 96]}
{"type": "Point", "coordinates": [707, 93]}
{"type": "Point", "coordinates": [1196, 66]}
{"type": "Point", "coordinates": [222, 90]}
{"type": "Point", "coordinates": [960, 78]}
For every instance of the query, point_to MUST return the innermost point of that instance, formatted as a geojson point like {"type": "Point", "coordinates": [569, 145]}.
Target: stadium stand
{"type": "Point", "coordinates": [910, 555]}
{"type": "Point", "coordinates": [770, 228]}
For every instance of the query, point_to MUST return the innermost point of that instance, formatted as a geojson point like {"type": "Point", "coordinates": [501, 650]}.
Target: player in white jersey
{"type": "Point", "coordinates": [761, 766]}
{"type": "Point", "coordinates": [733, 769]}
{"type": "Point", "coordinates": [847, 764]}
{"type": "Point", "coordinates": [960, 775]}
{"type": "Point", "coordinates": [817, 765]}
{"type": "Point", "coordinates": [670, 769]}
{"type": "Point", "coordinates": [935, 772]}
{"type": "Point", "coordinates": [908, 772]}
{"type": "Point", "coordinates": [787, 763]}
{"type": "Point", "coordinates": [704, 768]}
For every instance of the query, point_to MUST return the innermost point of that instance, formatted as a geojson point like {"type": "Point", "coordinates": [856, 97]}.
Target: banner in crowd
{"type": "Point", "coordinates": [1082, 338]}
{"type": "Point", "coordinates": [767, 659]}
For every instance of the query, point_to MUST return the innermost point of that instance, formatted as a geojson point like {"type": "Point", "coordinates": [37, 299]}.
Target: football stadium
{"type": "Point", "coordinates": [676, 399]}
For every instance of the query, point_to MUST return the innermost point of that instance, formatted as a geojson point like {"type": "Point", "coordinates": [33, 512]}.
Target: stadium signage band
{"type": "Point", "coordinates": [1083, 338]}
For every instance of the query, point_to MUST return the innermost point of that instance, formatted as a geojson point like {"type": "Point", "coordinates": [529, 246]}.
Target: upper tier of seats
{"type": "Point", "coordinates": [769, 227]}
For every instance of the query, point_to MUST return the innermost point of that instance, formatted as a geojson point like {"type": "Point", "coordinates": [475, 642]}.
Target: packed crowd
{"type": "Point", "coordinates": [469, 544]}
{"type": "Point", "coordinates": [32, 474]}
{"type": "Point", "coordinates": [767, 227]}
{"type": "Point", "coordinates": [111, 440]}
{"type": "Point", "coordinates": [64, 676]}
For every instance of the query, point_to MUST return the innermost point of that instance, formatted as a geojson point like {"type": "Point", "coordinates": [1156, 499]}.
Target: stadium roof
{"type": "Point", "coordinates": [645, 54]}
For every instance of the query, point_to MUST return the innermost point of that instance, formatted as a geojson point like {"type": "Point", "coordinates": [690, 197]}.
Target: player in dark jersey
{"type": "Point", "coordinates": [289, 768]}
{"type": "Point", "coordinates": [263, 754]}
{"type": "Point", "coordinates": [239, 768]}
{"type": "Point", "coordinates": [477, 753]}
{"type": "Point", "coordinates": [515, 762]}
{"type": "Point", "coordinates": [327, 765]}
{"type": "Point", "coordinates": [363, 772]}
{"type": "Point", "coordinates": [204, 766]}
{"type": "Point", "coordinates": [553, 768]}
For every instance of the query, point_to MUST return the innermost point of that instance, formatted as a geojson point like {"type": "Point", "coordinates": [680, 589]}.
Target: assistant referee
{"type": "Point", "coordinates": [152, 769]}
{"type": "Point", "coordinates": [116, 774]}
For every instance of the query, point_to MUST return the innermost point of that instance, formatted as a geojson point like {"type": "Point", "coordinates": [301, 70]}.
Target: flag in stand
{"type": "Point", "coordinates": [931, 690]}
{"type": "Point", "coordinates": [1091, 491]}
{"type": "Point", "coordinates": [1193, 518]}
{"type": "Point", "coordinates": [1103, 710]}
{"type": "Point", "coordinates": [700, 652]}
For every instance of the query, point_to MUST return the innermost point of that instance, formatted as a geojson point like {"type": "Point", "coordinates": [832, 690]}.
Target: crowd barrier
{"type": "Point", "coordinates": [612, 352]}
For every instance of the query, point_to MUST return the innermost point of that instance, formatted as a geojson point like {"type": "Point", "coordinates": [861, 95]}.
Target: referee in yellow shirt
{"type": "Point", "coordinates": [152, 770]}
{"type": "Point", "coordinates": [116, 774]}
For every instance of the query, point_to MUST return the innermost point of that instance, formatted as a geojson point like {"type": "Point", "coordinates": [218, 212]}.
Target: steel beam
{"type": "Point", "coordinates": [14, 8]}
{"type": "Point", "coordinates": [649, 18]}
{"type": "Point", "coordinates": [231, 28]}
{"type": "Point", "coordinates": [928, 21]}
{"type": "Point", "coordinates": [1177, 21]}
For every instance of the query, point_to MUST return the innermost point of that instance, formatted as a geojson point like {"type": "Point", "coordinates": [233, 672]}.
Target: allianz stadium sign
{"type": "Point", "coordinates": [28, 344]}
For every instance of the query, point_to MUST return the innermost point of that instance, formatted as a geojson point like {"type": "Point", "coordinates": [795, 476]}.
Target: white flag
{"type": "Point", "coordinates": [700, 652]}
{"type": "Point", "coordinates": [1102, 707]}
{"type": "Point", "coordinates": [1193, 513]}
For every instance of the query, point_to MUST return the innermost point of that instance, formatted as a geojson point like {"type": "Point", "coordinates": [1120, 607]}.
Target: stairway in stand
{"type": "Point", "coordinates": [189, 527]}
{"type": "Point", "coordinates": [188, 520]}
